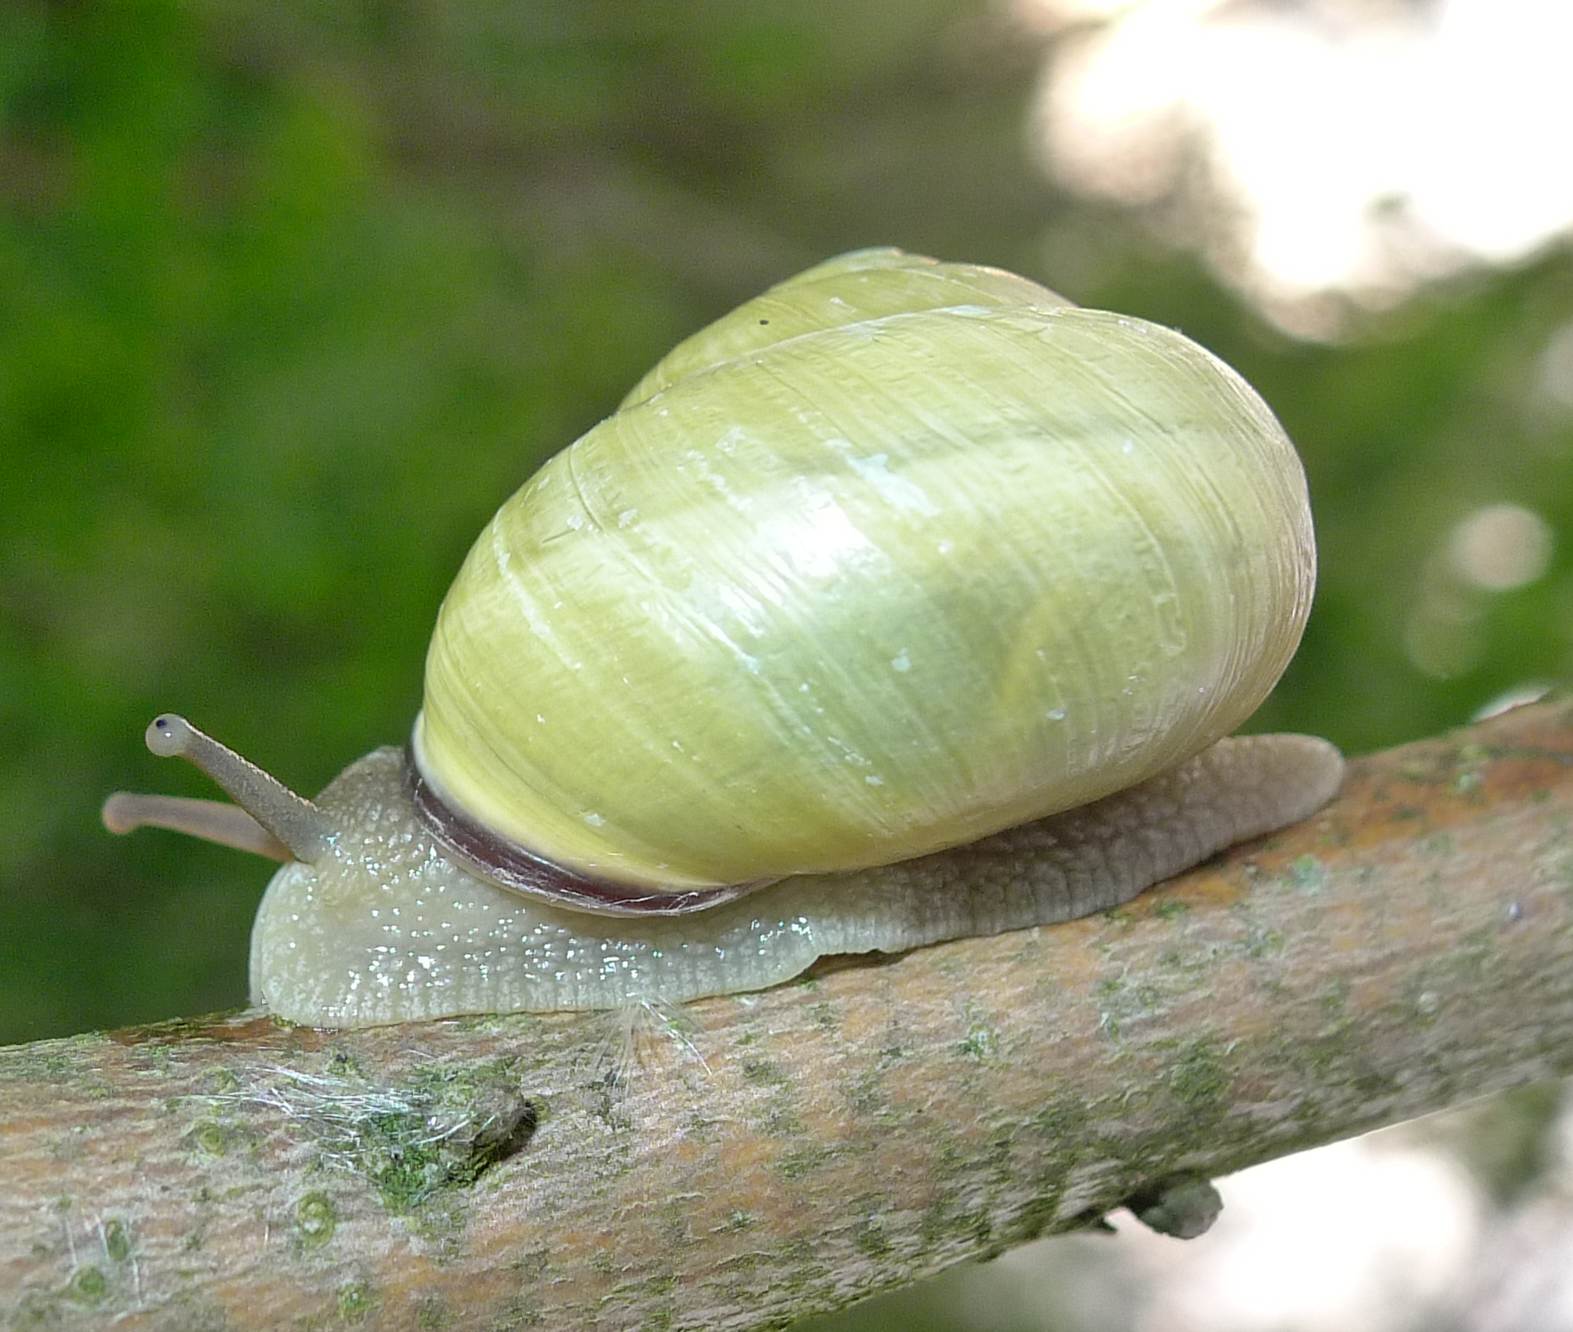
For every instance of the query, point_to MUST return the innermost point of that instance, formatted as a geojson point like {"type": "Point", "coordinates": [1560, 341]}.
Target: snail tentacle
{"type": "Point", "coordinates": [293, 820]}
{"type": "Point", "coordinates": [210, 820]}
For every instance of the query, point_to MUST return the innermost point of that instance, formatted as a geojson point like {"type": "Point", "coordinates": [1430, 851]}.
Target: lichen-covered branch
{"type": "Point", "coordinates": [750, 1160]}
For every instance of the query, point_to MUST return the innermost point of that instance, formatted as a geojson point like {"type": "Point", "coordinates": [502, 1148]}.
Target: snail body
{"type": "Point", "coordinates": [908, 601]}
{"type": "Point", "coordinates": [421, 937]}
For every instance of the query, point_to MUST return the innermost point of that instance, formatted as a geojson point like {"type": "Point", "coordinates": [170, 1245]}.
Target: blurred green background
{"type": "Point", "coordinates": [291, 300]}
{"type": "Point", "coordinates": [292, 296]}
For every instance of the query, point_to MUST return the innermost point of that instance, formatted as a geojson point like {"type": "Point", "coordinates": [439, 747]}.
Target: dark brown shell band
{"type": "Point", "coordinates": [509, 865]}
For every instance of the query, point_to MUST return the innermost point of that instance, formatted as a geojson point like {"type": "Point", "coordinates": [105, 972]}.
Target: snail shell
{"type": "Point", "coordinates": [895, 556]}
{"type": "Point", "coordinates": [907, 601]}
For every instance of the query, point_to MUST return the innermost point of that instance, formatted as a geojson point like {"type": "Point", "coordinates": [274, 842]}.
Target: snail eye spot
{"type": "Point", "coordinates": [764, 321]}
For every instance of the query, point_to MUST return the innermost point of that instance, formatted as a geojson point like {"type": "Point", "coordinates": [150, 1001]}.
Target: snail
{"type": "Point", "coordinates": [906, 602]}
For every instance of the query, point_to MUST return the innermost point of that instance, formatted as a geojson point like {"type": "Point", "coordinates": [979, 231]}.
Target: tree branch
{"type": "Point", "coordinates": [765, 1157]}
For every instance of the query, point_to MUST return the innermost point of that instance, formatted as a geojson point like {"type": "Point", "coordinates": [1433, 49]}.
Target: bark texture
{"type": "Point", "coordinates": [751, 1160]}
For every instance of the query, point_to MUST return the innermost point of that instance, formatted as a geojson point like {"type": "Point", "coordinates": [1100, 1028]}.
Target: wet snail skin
{"type": "Point", "coordinates": [907, 601]}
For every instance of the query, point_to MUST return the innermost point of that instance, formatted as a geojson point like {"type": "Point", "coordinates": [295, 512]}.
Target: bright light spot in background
{"type": "Point", "coordinates": [1342, 147]}
{"type": "Point", "coordinates": [1359, 1234]}
{"type": "Point", "coordinates": [1531, 691]}
{"type": "Point", "coordinates": [1497, 548]}
{"type": "Point", "coordinates": [1500, 547]}
{"type": "Point", "coordinates": [1556, 367]}
{"type": "Point", "coordinates": [1378, 1232]}
{"type": "Point", "coordinates": [1245, 1281]}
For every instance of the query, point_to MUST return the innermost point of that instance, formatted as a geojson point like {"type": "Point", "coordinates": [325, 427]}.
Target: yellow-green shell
{"type": "Point", "coordinates": [894, 556]}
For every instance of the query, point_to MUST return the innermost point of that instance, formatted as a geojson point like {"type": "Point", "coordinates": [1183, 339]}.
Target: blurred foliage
{"type": "Point", "coordinates": [292, 297]}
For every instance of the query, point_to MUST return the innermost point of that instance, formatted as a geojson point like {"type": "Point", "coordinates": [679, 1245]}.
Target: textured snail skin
{"type": "Point", "coordinates": [895, 556]}
{"type": "Point", "coordinates": [386, 929]}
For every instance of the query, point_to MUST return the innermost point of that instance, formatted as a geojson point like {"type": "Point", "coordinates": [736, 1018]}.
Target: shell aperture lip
{"type": "Point", "coordinates": [509, 865]}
